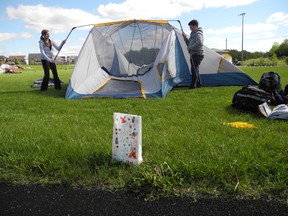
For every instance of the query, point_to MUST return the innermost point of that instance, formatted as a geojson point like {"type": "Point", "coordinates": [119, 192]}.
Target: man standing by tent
{"type": "Point", "coordinates": [195, 48]}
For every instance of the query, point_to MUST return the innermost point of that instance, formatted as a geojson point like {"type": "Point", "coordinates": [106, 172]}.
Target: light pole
{"type": "Point", "coordinates": [242, 14]}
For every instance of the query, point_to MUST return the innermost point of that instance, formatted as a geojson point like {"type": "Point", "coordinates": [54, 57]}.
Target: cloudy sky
{"type": "Point", "coordinates": [265, 21]}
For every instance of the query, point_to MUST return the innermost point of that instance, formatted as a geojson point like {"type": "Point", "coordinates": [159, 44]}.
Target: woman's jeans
{"type": "Point", "coordinates": [47, 66]}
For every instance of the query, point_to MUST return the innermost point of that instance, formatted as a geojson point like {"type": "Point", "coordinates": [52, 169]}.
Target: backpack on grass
{"type": "Point", "coordinates": [286, 90]}
{"type": "Point", "coordinates": [249, 98]}
{"type": "Point", "coordinates": [270, 82]}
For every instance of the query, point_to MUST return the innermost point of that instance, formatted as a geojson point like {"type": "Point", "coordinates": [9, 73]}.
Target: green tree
{"type": "Point", "coordinates": [273, 49]}
{"type": "Point", "coordinates": [286, 60]}
{"type": "Point", "coordinates": [236, 55]}
{"type": "Point", "coordinates": [259, 54]}
{"type": "Point", "coordinates": [283, 49]}
{"type": "Point", "coordinates": [274, 59]}
{"type": "Point", "coordinates": [17, 62]}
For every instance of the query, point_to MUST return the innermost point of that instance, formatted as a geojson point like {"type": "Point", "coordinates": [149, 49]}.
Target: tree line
{"type": "Point", "coordinates": [277, 51]}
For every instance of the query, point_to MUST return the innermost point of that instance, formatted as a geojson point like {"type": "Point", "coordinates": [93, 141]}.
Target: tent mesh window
{"type": "Point", "coordinates": [134, 44]}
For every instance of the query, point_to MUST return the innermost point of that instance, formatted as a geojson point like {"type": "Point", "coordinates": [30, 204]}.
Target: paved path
{"type": "Point", "coordinates": [64, 200]}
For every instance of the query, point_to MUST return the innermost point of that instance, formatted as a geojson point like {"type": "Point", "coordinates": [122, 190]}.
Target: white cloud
{"type": "Point", "coordinates": [260, 36]}
{"type": "Point", "coordinates": [164, 9]}
{"type": "Point", "coordinates": [223, 31]}
{"type": "Point", "coordinates": [225, 3]}
{"type": "Point", "coordinates": [200, 4]}
{"type": "Point", "coordinates": [11, 36]}
{"type": "Point", "coordinates": [55, 19]}
{"type": "Point", "coordinates": [279, 18]}
{"type": "Point", "coordinates": [59, 20]}
{"type": "Point", "coordinates": [259, 27]}
{"type": "Point", "coordinates": [7, 36]}
{"type": "Point", "coordinates": [248, 29]}
{"type": "Point", "coordinates": [135, 9]}
{"type": "Point", "coordinates": [25, 35]}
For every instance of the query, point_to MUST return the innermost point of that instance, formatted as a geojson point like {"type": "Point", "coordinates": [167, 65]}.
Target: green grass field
{"type": "Point", "coordinates": [187, 146]}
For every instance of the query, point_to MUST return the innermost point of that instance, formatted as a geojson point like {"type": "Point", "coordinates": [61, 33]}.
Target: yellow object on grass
{"type": "Point", "coordinates": [241, 125]}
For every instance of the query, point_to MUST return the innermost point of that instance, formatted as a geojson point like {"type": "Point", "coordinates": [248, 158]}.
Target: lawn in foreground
{"type": "Point", "coordinates": [187, 146]}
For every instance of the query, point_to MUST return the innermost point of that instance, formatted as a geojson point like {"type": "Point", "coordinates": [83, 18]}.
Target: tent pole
{"type": "Point", "coordinates": [69, 35]}
{"type": "Point", "coordinates": [179, 23]}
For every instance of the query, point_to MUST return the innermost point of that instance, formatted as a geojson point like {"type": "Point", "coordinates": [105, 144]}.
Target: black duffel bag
{"type": "Point", "coordinates": [249, 98]}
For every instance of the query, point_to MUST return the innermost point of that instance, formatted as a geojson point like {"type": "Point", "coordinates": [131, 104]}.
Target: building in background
{"type": "Point", "coordinates": [17, 59]}
{"type": "Point", "coordinates": [3, 59]}
{"type": "Point", "coordinates": [71, 59]}
{"type": "Point", "coordinates": [34, 58]}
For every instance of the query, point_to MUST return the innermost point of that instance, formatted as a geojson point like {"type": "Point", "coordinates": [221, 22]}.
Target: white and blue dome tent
{"type": "Point", "coordinates": [142, 58]}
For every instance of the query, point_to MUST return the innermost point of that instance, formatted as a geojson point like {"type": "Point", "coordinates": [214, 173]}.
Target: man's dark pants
{"type": "Point", "coordinates": [195, 61]}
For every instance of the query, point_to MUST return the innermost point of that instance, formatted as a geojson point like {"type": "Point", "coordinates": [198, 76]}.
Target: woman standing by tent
{"type": "Point", "coordinates": [195, 48]}
{"type": "Point", "coordinates": [46, 48]}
